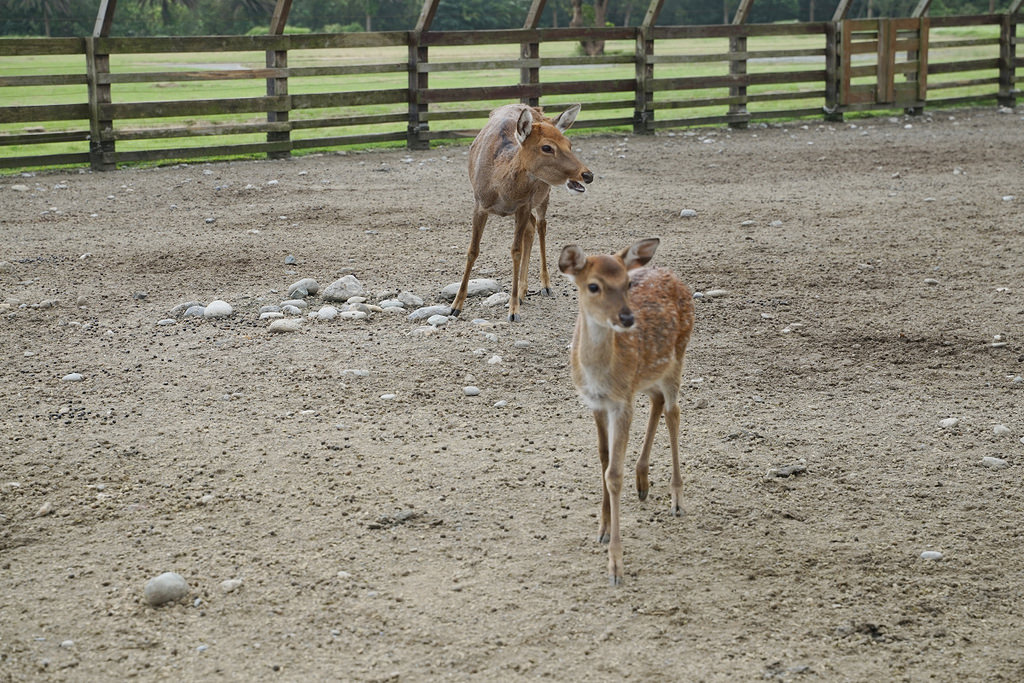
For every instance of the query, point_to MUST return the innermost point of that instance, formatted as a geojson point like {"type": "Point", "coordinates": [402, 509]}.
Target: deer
{"type": "Point", "coordinates": [632, 330]}
{"type": "Point", "coordinates": [514, 161]}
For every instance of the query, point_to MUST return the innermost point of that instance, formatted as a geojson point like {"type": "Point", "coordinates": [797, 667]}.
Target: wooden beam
{"type": "Point", "coordinates": [104, 18]}
{"type": "Point", "coordinates": [921, 9]}
{"type": "Point", "coordinates": [427, 13]}
{"type": "Point", "coordinates": [280, 17]}
{"type": "Point", "coordinates": [842, 9]}
{"type": "Point", "coordinates": [1015, 6]}
{"type": "Point", "coordinates": [742, 12]}
{"type": "Point", "coordinates": [653, 10]}
{"type": "Point", "coordinates": [533, 16]}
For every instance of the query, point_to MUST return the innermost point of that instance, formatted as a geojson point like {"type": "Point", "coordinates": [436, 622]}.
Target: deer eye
{"type": "Point", "coordinates": [547, 149]}
{"type": "Point", "coordinates": [593, 288]}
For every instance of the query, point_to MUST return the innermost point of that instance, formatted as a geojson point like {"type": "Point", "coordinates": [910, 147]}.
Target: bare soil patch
{"type": "Point", "coordinates": [875, 278]}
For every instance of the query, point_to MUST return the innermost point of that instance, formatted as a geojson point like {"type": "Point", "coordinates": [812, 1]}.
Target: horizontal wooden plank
{"type": "Point", "coordinates": [239, 105]}
{"type": "Point", "coordinates": [739, 30]}
{"type": "Point", "coordinates": [197, 152]}
{"type": "Point", "coordinates": [44, 112]}
{"type": "Point", "coordinates": [290, 41]}
{"type": "Point", "coordinates": [966, 20]}
{"type": "Point", "coordinates": [494, 92]}
{"type": "Point", "coordinates": [965, 83]}
{"type": "Point", "coordinates": [47, 80]}
{"type": "Point", "coordinates": [938, 44]}
{"type": "Point", "coordinates": [11, 47]}
{"type": "Point", "coordinates": [44, 160]}
{"type": "Point", "coordinates": [355, 98]}
{"type": "Point", "coordinates": [344, 140]}
{"type": "Point", "coordinates": [587, 87]}
{"type": "Point", "coordinates": [174, 76]}
{"type": "Point", "coordinates": [158, 133]}
{"type": "Point", "coordinates": [492, 65]}
{"type": "Point", "coordinates": [587, 61]}
{"type": "Point", "coordinates": [44, 137]}
{"type": "Point", "coordinates": [963, 65]}
{"type": "Point", "coordinates": [737, 80]}
{"type": "Point", "coordinates": [750, 55]}
{"type": "Point", "coordinates": [517, 36]}
{"type": "Point", "coordinates": [342, 121]}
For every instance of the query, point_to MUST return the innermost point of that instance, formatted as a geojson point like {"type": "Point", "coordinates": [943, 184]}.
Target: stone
{"type": "Point", "coordinates": [308, 285]}
{"type": "Point", "coordinates": [343, 289]}
{"type": "Point", "coordinates": [478, 287]}
{"type": "Point", "coordinates": [218, 309]}
{"type": "Point", "coordinates": [165, 588]}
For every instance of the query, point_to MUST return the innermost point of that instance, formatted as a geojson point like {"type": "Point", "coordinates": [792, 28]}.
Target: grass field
{"type": "Point", "coordinates": [809, 55]}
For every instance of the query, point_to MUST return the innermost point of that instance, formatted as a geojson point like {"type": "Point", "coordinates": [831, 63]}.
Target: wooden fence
{"type": "Point", "coordinates": [274, 95]}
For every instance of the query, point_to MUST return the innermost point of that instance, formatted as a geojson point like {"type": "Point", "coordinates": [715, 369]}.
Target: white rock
{"type": "Point", "coordinates": [343, 289]}
{"type": "Point", "coordinates": [931, 555]}
{"type": "Point", "coordinates": [271, 315]}
{"type": "Point", "coordinates": [494, 360]}
{"type": "Point", "coordinates": [165, 588]}
{"type": "Point", "coordinates": [309, 284]}
{"type": "Point", "coordinates": [291, 310]}
{"type": "Point", "coordinates": [295, 303]}
{"type": "Point", "coordinates": [286, 325]}
{"type": "Point", "coordinates": [478, 287]}
{"type": "Point", "coordinates": [387, 397]}
{"type": "Point", "coordinates": [999, 430]}
{"type": "Point", "coordinates": [994, 463]}
{"type": "Point", "coordinates": [715, 293]}
{"type": "Point", "coordinates": [687, 213]}
{"type": "Point", "coordinates": [471, 391]}
{"type": "Point", "coordinates": [352, 315]}
{"type": "Point", "coordinates": [499, 299]}
{"type": "Point", "coordinates": [427, 311]}
{"type": "Point", "coordinates": [230, 585]}
{"type": "Point", "coordinates": [437, 320]}
{"type": "Point", "coordinates": [327, 313]}
{"type": "Point", "coordinates": [44, 509]}
{"type": "Point", "coordinates": [410, 299]}
{"type": "Point", "coordinates": [949, 422]}
{"type": "Point", "coordinates": [73, 377]}
{"type": "Point", "coordinates": [217, 309]}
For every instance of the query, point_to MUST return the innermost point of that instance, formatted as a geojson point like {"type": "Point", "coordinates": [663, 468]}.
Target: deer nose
{"type": "Point", "coordinates": [588, 177]}
{"type": "Point", "coordinates": [626, 318]}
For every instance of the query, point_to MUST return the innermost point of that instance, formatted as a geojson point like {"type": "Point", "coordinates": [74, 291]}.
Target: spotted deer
{"type": "Point", "coordinates": [633, 326]}
{"type": "Point", "coordinates": [514, 162]}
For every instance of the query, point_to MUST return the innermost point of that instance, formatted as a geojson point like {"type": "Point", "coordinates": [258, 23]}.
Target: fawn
{"type": "Point", "coordinates": [631, 333]}
{"type": "Point", "coordinates": [514, 162]}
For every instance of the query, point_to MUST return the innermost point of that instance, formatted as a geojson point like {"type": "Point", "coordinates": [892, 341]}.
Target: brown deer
{"type": "Point", "coordinates": [631, 334]}
{"type": "Point", "coordinates": [514, 162]}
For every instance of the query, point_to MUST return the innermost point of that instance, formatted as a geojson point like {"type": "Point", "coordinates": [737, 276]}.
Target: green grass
{"type": "Point", "coordinates": [224, 89]}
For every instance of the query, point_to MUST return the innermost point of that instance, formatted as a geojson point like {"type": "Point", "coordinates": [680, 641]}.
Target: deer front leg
{"type": "Point", "coordinates": [479, 221]}
{"type": "Point", "coordinates": [618, 437]}
{"type": "Point", "coordinates": [643, 484]}
{"type": "Point", "coordinates": [601, 418]}
{"type": "Point", "coordinates": [524, 268]}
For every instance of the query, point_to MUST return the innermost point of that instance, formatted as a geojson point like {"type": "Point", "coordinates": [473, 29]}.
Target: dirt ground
{"type": "Point", "coordinates": [874, 278]}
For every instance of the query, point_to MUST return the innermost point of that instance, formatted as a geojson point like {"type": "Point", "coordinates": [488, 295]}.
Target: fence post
{"type": "Point", "coordinates": [643, 110]}
{"type": "Point", "coordinates": [278, 59]}
{"type": "Point", "coordinates": [1007, 59]}
{"type": "Point", "coordinates": [416, 136]}
{"type": "Point", "coordinates": [529, 76]}
{"type": "Point", "coordinates": [101, 132]}
{"type": "Point", "coordinates": [833, 72]}
{"type": "Point", "coordinates": [739, 117]}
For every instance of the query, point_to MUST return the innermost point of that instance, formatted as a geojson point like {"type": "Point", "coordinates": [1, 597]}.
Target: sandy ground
{"type": "Point", "coordinates": [875, 279]}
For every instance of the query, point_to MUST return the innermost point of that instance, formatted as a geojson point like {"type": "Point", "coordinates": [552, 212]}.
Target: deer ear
{"type": "Point", "coordinates": [567, 118]}
{"type": "Point", "coordinates": [572, 260]}
{"type": "Point", "coordinates": [640, 253]}
{"type": "Point", "coordinates": [524, 126]}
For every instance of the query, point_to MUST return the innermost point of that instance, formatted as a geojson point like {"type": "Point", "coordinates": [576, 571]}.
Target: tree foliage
{"type": "Point", "coordinates": [236, 17]}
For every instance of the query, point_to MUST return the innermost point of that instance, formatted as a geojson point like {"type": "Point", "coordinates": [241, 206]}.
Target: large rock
{"type": "Point", "coordinates": [476, 288]}
{"type": "Point", "coordinates": [343, 289]}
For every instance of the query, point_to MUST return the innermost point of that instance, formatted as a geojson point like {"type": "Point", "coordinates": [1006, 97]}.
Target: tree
{"type": "Point", "coordinates": [47, 8]}
{"type": "Point", "coordinates": [598, 13]}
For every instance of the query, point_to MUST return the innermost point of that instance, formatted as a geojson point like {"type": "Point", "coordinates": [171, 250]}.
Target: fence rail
{"type": "Point", "coordinates": [117, 105]}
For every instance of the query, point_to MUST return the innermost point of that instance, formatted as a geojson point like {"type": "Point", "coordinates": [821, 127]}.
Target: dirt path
{"type": "Point", "coordinates": [875, 279]}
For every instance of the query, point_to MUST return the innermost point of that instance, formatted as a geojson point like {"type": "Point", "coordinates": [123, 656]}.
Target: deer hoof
{"type": "Point", "coordinates": [677, 511]}
{"type": "Point", "coordinates": [546, 291]}
{"type": "Point", "coordinates": [604, 538]}
{"type": "Point", "coordinates": [455, 312]}
{"type": "Point", "coordinates": [642, 493]}
{"type": "Point", "coordinates": [614, 580]}
{"type": "Point", "coordinates": [513, 317]}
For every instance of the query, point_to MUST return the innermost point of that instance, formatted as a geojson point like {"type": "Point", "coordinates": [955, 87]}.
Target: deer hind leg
{"type": "Point", "coordinates": [601, 418]}
{"type": "Point", "coordinates": [523, 225]}
{"type": "Point", "coordinates": [479, 221]}
{"type": "Point", "coordinates": [672, 421]}
{"type": "Point", "coordinates": [542, 233]}
{"type": "Point", "coordinates": [524, 268]}
{"type": "Point", "coordinates": [643, 484]}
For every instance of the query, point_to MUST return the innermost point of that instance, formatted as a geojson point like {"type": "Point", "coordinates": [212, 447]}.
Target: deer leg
{"type": "Point", "coordinates": [618, 437]}
{"type": "Point", "coordinates": [542, 233]}
{"type": "Point", "coordinates": [643, 484]}
{"type": "Point", "coordinates": [601, 418]}
{"type": "Point", "coordinates": [479, 221]}
{"type": "Point", "coordinates": [523, 218]}
{"type": "Point", "coordinates": [524, 268]}
{"type": "Point", "coordinates": [672, 420]}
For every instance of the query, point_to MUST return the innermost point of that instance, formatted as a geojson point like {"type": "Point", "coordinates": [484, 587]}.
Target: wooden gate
{"type": "Point", "coordinates": [882, 62]}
